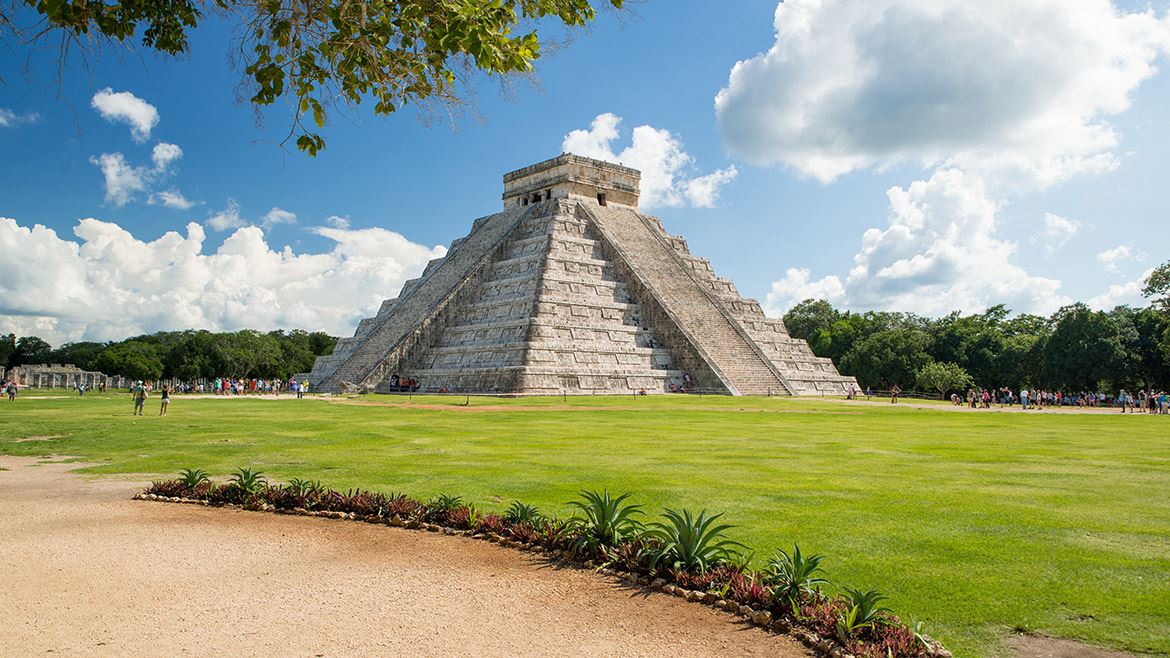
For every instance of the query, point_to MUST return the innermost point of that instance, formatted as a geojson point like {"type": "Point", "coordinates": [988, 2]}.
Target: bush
{"type": "Point", "coordinates": [689, 543]}
{"type": "Point", "coordinates": [604, 523]}
{"type": "Point", "coordinates": [168, 488]}
{"type": "Point", "coordinates": [793, 576]}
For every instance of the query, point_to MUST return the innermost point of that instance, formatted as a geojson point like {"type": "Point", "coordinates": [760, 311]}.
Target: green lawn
{"type": "Point", "coordinates": [977, 523]}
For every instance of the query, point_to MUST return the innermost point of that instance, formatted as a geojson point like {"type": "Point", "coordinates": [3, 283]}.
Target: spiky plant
{"type": "Point", "coordinates": [861, 611]}
{"type": "Point", "coordinates": [519, 512]}
{"type": "Point", "coordinates": [686, 542]}
{"type": "Point", "coordinates": [792, 576]}
{"type": "Point", "coordinates": [248, 481]}
{"type": "Point", "coordinates": [440, 506]}
{"type": "Point", "coordinates": [603, 521]}
{"type": "Point", "coordinates": [193, 477]}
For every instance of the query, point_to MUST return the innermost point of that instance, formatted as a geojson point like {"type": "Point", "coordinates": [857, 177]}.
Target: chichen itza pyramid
{"type": "Point", "coordinates": [572, 289]}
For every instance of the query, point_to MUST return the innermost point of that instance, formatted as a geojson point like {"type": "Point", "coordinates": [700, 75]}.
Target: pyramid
{"type": "Point", "coordinates": [573, 290]}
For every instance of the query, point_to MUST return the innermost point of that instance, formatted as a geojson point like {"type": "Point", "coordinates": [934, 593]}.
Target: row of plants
{"type": "Point", "coordinates": [684, 554]}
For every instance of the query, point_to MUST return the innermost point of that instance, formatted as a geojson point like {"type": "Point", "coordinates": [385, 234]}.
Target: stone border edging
{"type": "Point", "coordinates": [828, 647]}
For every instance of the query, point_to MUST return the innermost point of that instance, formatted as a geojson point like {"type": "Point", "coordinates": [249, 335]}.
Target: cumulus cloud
{"type": "Point", "coordinates": [125, 107]}
{"type": "Point", "coordinates": [1057, 232]}
{"type": "Point", "coordinates": [123, 180]}
{"type": "Point", "coordinates": [108, 284]}
{"type": "Point", "coordinates": [171, 199]}
{"type": "Point", "coordinates": [1111, 259]}
{"type": "Point", "coordinates": [10, 119]}
{"type": "Point", "coordinates": [658, 154]}
{"type": "Point", "coordinates": [938, 253]}
{"type": "Point", "coordinates": [996, 86]}
{"type": "Point", "coordinates": [995, 100]}
{"type": "Point", "coordinates": [1129, 293]}
{"type": "Point", "coordinates": [278, 216]}
{"type": "Point", "coordinates": [226, 219]}
{"type": "Point", "coordinates": [337, 221]}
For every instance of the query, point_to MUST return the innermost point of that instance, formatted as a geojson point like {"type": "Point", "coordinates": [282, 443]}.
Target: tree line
{"type": "Point", "coordinates": [185, 355]}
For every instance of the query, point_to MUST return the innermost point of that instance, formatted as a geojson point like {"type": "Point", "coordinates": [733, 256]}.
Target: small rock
{"type": "Point", "coordinates": [658, 583]}
{"type": "Point", "coordinates": [824, 646]}
{"type": "Point", "coordinates": [433, 528]}
{"type": "Point", "coordinates": [681, 592]}
{"type": "Point", "coordinates": [745, 611]}
{"type": "Point", "coordinates": [411, 524]}
{"type": "Point", "coordinates": [694, 596]}
{"type": "Point", "coordinates": [762, 618]}
{"type": "Point", "coordinates": [710, 597]}
{"type": "Point", "coordinates": [941, 652]}
{"type": "Point", "coordinates": [781, 626]}
{"type": "Point", "coordinates": [644, 580]}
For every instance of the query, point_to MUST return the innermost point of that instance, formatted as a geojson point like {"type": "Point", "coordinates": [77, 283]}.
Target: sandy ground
{"type": "Point", "coordinates": [87, 571]}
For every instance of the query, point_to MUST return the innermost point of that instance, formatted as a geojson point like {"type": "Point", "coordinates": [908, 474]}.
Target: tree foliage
{"type": "Point", "coordinates": [186, 354]}
{"type": "Point", "coordinates": [1076, 349]}
{"type": "Point", "coordinates": [942, 376]}
{"type": "Point", "coordinates": [316, 53]}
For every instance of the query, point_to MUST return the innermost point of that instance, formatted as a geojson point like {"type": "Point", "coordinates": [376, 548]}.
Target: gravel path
{"type": "Point", "coordinates": [87, 571]}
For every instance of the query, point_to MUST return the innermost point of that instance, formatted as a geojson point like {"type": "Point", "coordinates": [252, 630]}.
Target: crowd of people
{"type": "Point", "coordinates": [1035, 399]}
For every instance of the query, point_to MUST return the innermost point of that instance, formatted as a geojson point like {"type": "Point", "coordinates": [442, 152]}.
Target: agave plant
{"type": "Point", "coordinates": [519, 512]}
{"type": "Point", "coordinates": [689, 543]}
{"type": "Point", "coordinates": [248, 481]}
{"type": "Point", "coordinates": [193, 477]}
{"type": "Point", "coordinates": [792, 575]}
{"type": "Point", "coordinates": [604, 522]}
{"type": "Point", "coordinates": [862, 611]}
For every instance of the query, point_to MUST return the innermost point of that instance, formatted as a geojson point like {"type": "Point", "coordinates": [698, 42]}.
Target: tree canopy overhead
{"type": "Point", "coordinates": [318, 53]}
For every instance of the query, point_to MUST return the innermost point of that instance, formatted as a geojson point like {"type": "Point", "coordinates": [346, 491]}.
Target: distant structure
{"type": "Point", "coordinates": [573, 290]}
{"type": "Point", "coordinates": [54, 376]}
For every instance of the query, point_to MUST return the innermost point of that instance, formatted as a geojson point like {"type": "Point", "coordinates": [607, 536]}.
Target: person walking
{"type": "Point", "coordinates": [166, 401]}
{"type": "Point", "coordinates": [894, 394]}
{"type": "Point", "coordinates": [10, 389]}
{"type": "Point", "coordinates": [139, 398]}
{"type": "Point", "coordinates": [1024, 399]}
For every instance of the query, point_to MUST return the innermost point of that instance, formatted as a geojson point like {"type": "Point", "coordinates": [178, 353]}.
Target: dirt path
{"type": "Point", "coordinates": [86, 571]}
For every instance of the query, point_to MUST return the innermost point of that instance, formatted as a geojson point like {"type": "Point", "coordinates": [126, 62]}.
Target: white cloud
{"type": "Point", "coordinates": [10, 119]}
{"type": "Point", "coordinates": [125, 107]}
{"type": "Point", "coordinates": [1057, 232]}
{"type": "Point", "coordinates": [797, 286]}
{"type": "Point", "coordinates": [938, 253]}
{"type": "Point", "coordinates": [226, 219]}
{"type": "Point", "coordinates": [1129, 293]}
{"type": "Point", "coordinates": [278, 216]}
{"type": "Point", "coordinates": [1020, 89]}
{"type": "Point", "coordinates": [165, 154]}
{"type": "Point", "coordinates": [122, 180]}
{"type": "Point", "coordinates": [1111, 259]}
{"type": "Point", "coordinates": [109, 284]}
{"type": "Point", "coordinates": [337, 221]}
{"type": "Point", "coordinates": [171, 198]}
{"type": "Point", "coordinates": [658, 154]}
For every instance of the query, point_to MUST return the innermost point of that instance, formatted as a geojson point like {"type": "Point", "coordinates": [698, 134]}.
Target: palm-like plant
{"type": "Point", "coordinates": [519, 512]}
{"type": "Point", "coordinates": [247, 480]}
{"type": "Point", "coordinates": [689, 543]}
{"type": "Point", "coordinates": [193, 477]}
{"type": "Point", "coordinates": [862, 611]}
{"type": "Point", "coordinates": [792, 575]}
{"type": "Point", "coordinates": [604, 522]}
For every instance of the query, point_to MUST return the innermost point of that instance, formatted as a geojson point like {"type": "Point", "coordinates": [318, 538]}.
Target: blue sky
{"type": "Point", "coordinates": [889, 154]}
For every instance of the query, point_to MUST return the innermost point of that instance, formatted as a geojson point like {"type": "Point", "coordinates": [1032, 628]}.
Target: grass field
{"type": "Point", "coordinates": [977, 523]}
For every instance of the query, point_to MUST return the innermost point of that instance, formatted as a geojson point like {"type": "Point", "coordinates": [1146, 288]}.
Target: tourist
{"type": "Point", "coordinates": [1024, 398]}
{"type": "Point", "coordinates": [166, 400]}
{"type": "Point", "coordinates": [139, 392]}
{"type": "Point", "coordinates": [11, 391]}
{"type": "Point", "coordinates": [894, 394]}
{"type": "Point", "coordinates": [1122, 399]}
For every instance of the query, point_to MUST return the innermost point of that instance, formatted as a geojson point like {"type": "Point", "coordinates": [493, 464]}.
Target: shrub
{"type": "Point", "coordinates": [861, 612]}
{"type": "Point", "coordinates": [821, 615]}
{"type": "Point", "coordinates": [518, 512]}
{"type": "Point", "coordinates": [629, 555]}
{"type": "Point", "coordinates": [556, 533]}
{"type": "Point", "coordinates": [438, 507]}
{"type": "Point", "coordinates": [462, 517]}
{"type": "Point", "coordinates": [366, 503]}
{"type": "Point", "coordinates": [793, 576]}
{"type": "Point", "coordinates": [168, 488]}
{"type": "Point", "coordinates": [746, 588]}
{"type": "Point", "coordinates": [489, 523]}
{"type": "Point", "coordinates": [887, 640]}
{"type": "Point", "coordinates": [402, 506]}
{"type": "Point", "coordinates": [228, 494]}
{"type": "Point", "coordinates": [523, 532]}
{"type": "Point", "coordinates": [689, 543]}
{"type": "Point", "coordinates": [716, 579]}
{"type": "Point", "coordinates": [193, 477]}
{"type": "Point", "coordinates": [249, 481]}
{"type": "Point", "coordinates": [604, 523]}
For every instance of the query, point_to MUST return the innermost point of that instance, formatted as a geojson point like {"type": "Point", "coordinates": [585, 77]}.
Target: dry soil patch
{"type": "Point", "coordinates": [90, 572]}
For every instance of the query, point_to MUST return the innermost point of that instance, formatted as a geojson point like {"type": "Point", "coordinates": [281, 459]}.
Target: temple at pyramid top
{"type": "Point", "coordinates": [571, 289]}
{"type": "Point", "coordinates": [572, 175]}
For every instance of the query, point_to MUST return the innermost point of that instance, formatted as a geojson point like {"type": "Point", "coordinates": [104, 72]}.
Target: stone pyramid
{"type": "Point", "coordinates": [572, 289]}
